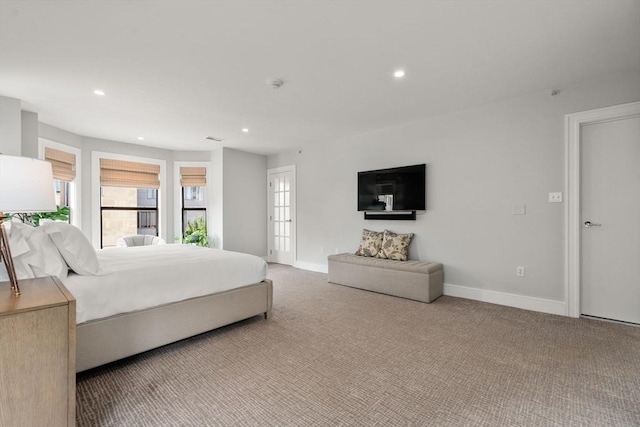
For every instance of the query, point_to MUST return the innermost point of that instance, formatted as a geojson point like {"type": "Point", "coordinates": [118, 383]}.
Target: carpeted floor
{"type": "Point", "coordinates": [332, 355]}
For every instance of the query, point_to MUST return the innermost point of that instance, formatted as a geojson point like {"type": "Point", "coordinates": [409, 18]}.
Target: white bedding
{"type": "Point", "coordinates": [137, 278]}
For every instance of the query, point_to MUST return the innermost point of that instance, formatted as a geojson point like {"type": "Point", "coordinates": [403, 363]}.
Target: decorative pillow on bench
{"type": "Point", "coordinates": [370, 244]}
{"type": "Point", "coordinates": [395, 246]}
{"type": "Point", "coordinates": [386, 245]}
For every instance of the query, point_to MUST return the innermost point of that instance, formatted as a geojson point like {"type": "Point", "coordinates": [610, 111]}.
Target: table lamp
{"type": "Point", "coordinates": [26, 186]}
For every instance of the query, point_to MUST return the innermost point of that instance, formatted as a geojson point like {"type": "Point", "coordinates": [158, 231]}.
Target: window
{"type": "Point", "coordinates": [63, 165]}
{"type": "Point", "coordinates": [194, 207]}
{"type": "Point", "coordinates": [128, 199]}
{"type": "Point", "coordinates": [62, 192]}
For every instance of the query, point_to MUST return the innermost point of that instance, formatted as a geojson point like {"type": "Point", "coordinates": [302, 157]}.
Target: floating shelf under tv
{"type": "Point", "coordinates": [390, 215]}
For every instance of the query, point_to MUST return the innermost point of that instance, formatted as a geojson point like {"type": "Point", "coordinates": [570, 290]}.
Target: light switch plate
{"type": "Point", "coordinates": [555, 197]}
{"type": "Point", "coordinates": [519, 209]}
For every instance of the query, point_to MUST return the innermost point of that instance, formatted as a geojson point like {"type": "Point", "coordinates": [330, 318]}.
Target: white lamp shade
{"type": "Point", "coordinates": [26, 185]}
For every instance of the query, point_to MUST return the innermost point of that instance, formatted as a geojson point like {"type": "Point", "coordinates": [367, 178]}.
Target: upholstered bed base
{"type": "Point", "coordinates": [105, 340]}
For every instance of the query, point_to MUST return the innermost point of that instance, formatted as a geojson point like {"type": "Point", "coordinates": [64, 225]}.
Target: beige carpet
{"type": "Point", "coordinates": [332, 355]}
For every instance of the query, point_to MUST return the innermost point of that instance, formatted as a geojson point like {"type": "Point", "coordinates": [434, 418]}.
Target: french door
{"type": "Point", "coordinates": [281, 211]}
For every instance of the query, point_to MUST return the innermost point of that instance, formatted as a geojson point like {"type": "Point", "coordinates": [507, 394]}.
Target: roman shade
{"type": "Point", "coordinates": [120, 173]}
{"type": "Point", "coordinates": [193, 176]}
{"type": "Point", "coordinates": [63, 164]}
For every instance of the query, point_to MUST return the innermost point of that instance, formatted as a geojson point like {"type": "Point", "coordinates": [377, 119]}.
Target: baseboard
{"type": "Point", "coordinates": [311, 266]}
{"type": "Point", "coordinates": [494, 297]}
{"type": "Point", "coordinates": [511, 300]}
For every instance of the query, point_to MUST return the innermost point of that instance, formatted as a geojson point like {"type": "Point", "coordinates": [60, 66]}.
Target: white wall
{"type": "Point", "coordinates": [216, 204]}
{"type": "Point", "coordinates": [10, 126]}
{"type": "Point", "coordinates": [29, 131]}
{"type": "Point", "coordinates": [480, 163]}
{"type": "Point", "coordinates": [245, 202]}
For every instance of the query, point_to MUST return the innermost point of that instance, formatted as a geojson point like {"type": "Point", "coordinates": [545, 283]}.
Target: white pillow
{"type": "Point", "coordinates": [34, 254]}
{"type": "Point", "coordinates": [74, 247]}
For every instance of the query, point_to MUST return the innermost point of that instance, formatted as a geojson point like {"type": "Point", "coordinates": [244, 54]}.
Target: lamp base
{"type": "Point", "coordinates": [5, 256]}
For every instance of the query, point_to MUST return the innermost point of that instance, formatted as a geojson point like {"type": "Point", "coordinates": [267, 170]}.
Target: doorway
{"type": "Point", "coordinates": [282, 214]}
{"type": "Point", "coordinates": [603, 213]}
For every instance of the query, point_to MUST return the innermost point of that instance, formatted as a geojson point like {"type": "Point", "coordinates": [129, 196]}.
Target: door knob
{"type": "Point", "coordinates": [589, 224]}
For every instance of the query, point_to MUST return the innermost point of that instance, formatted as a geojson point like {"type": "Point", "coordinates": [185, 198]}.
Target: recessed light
{"type": "Point", "coordinates": [245, 130]}
{"type": "Point", "coordinates": [398, 74]}
{"type": "Point", "coordinates": [141, 138]}
{"type": "Point", "coordinates": [99, 92]}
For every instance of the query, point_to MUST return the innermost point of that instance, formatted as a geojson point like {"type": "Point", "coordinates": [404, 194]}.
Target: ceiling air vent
{"type": "Point", "coordinates": [213, 138]}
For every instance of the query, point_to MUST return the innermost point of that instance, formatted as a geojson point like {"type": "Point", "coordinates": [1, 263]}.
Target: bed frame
{"type": "Point", "coordinates": [106, 340]}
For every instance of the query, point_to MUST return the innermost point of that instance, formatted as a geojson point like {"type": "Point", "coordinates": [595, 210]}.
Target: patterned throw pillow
{"type": "Point", "coordinates": [370, 244]}
{"type": "Point", "coordinates": [394, 246]}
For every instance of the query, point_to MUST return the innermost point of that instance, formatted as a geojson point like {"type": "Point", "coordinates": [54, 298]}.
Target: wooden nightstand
{"type": "Point", "coordinates": [37, 354]}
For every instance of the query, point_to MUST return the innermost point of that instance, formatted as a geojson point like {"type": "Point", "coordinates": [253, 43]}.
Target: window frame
{"type": "Point", "coordinates": [178, 230]}
{"type": "Point", "coordinates": [75, 186]}
{"type": "Point", "coordinates": [186, 209]}
{"type": "Point", "coordinates": [136, 209]}
{"type": "Point", "coordinates": [96, 217]}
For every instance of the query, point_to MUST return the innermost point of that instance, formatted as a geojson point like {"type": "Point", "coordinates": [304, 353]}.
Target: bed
{"type": "Point", "coordinates": [130, 300]}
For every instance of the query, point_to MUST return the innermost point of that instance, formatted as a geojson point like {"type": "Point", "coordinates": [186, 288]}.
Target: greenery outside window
{"type": "Point", "coordinates": [194, 216]}
{"type": "Point", "coordinates": [194, 205]}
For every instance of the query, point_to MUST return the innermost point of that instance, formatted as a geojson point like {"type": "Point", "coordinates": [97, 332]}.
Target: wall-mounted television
{"type": "Point", "coordinates": [394, 189]}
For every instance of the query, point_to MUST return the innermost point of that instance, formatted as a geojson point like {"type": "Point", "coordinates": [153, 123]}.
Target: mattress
{"type": "Point", "coordinates": [137, 278]}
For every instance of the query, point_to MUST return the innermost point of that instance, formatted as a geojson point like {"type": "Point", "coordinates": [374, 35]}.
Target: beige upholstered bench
{"type": "Point", "coordinates": [416, 280]}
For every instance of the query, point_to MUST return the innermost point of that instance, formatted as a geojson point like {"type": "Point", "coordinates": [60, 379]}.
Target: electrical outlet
{"type": "Point", "coordinates": [322, 251]}
{"type": "Point", "coordinates": [555, 197]}
{"type": "Point", "coordinates": [520, 271]}
{"type": "Point", "coordinates": [337, 251]}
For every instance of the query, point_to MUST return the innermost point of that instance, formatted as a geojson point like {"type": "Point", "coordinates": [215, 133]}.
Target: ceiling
{"type": "Point", "coordinates": [176, 72]}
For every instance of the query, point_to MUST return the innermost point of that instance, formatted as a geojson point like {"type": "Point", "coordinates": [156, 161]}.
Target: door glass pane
{"type": "Point", "coordinates": [287, 229]}
{"type": "Point", "coordinates": [286, 184]}
{"type": "Point", "coordinates": [286, 213]}
{"type": "Point", "coordinates": [286, 198]}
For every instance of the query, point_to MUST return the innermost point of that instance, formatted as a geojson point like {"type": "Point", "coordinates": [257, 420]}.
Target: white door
{"type": "Point", "coordinates": [610, 220]}
{"type": "Point", "coordinates": [281, 219]}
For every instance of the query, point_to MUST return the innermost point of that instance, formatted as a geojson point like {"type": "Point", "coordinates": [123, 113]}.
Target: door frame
{"type": "Point", "coordinates": [573, 128]}
{"type": "Point", "coordinates": [294, 218]}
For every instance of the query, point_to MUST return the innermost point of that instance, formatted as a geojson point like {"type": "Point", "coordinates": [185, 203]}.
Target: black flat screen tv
{"type": "Point", "coordinates": [394, 189]}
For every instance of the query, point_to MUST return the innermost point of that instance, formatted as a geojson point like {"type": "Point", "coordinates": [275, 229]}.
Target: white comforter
{"type": "Point", "coordinates": [136, 278]}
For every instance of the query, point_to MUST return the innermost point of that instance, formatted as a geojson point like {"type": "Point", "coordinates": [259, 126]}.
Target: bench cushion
{"type": "Point", "coordinates": [416, 266]}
